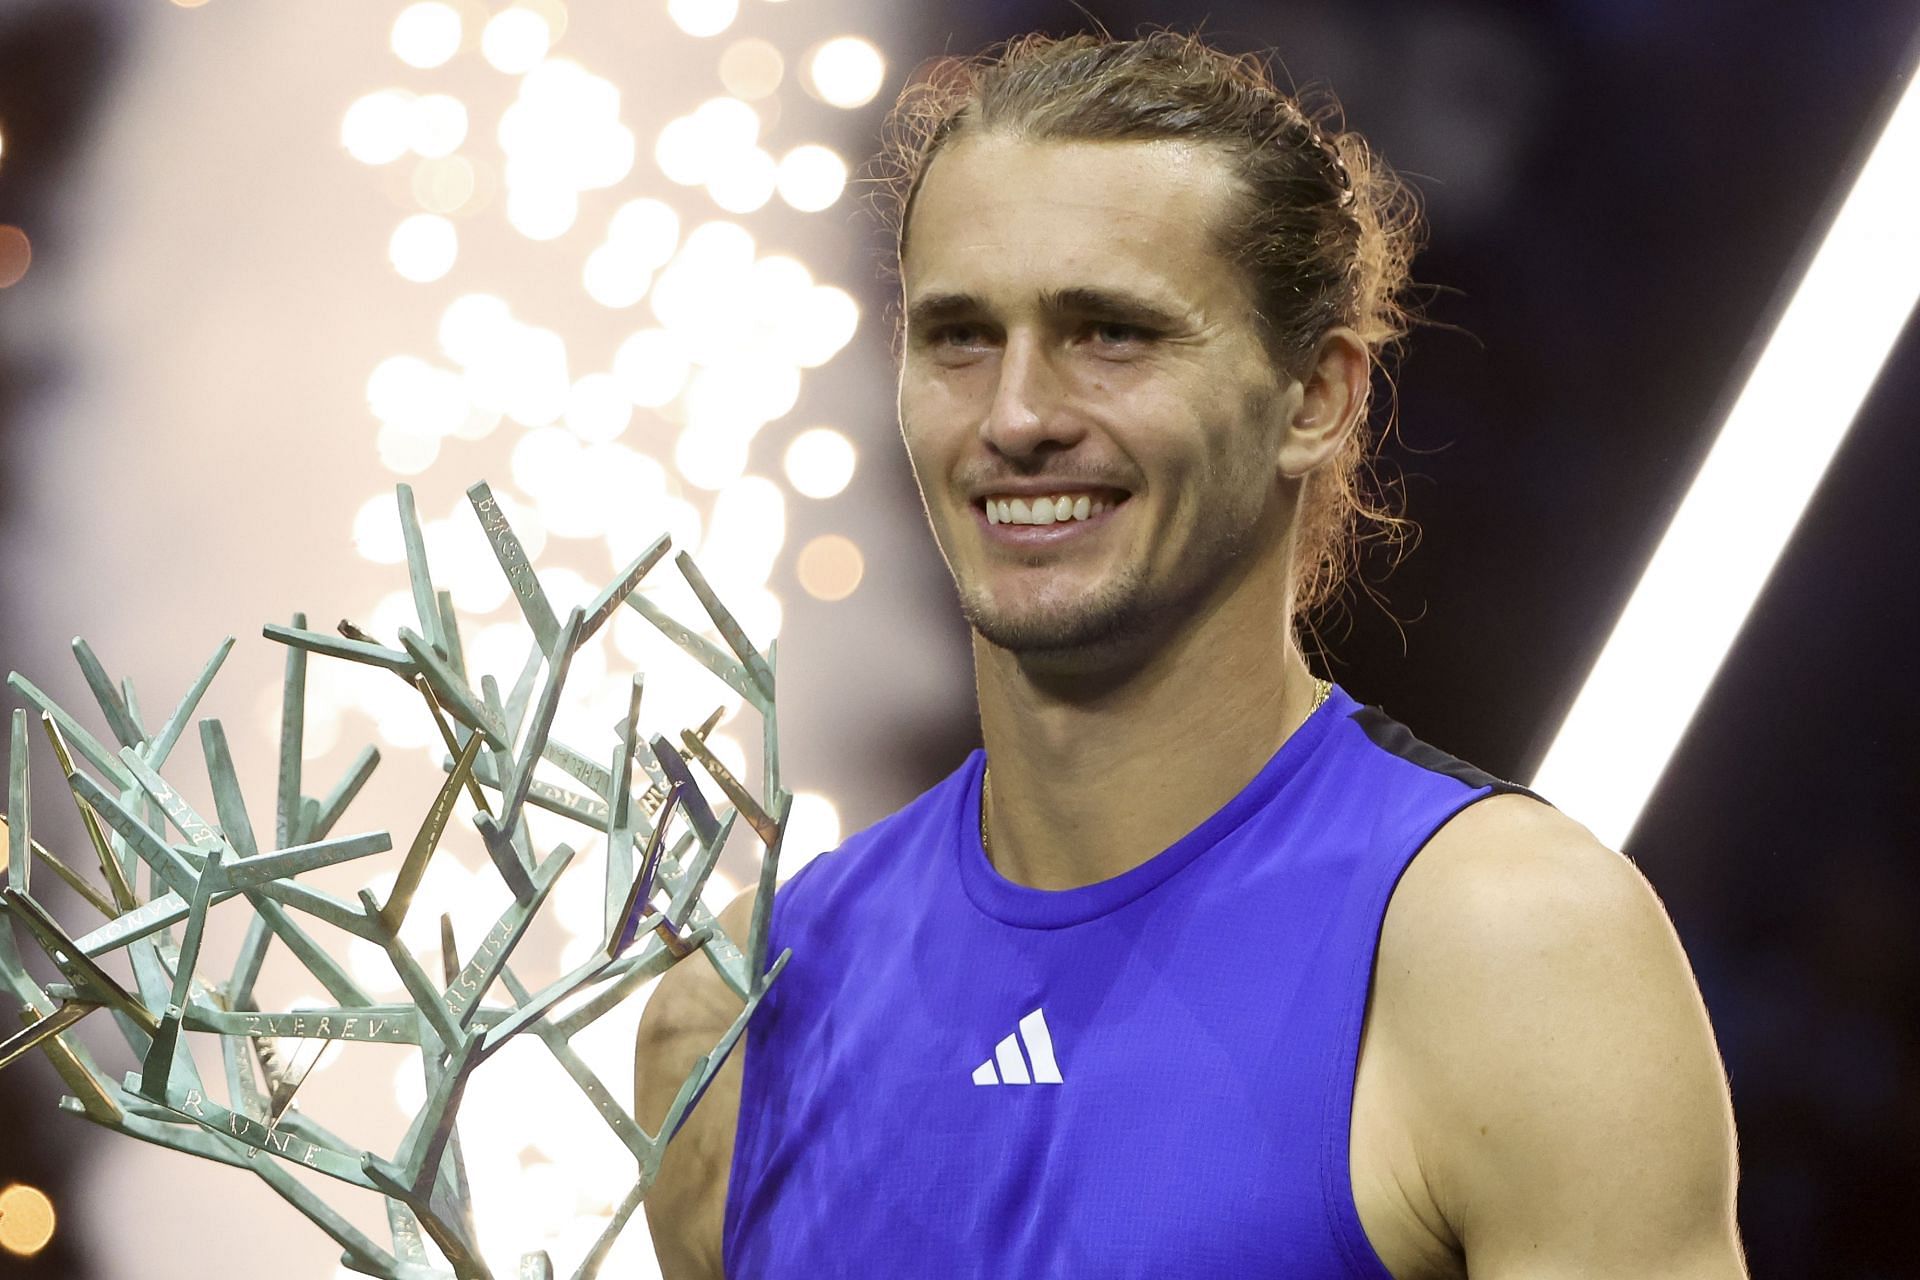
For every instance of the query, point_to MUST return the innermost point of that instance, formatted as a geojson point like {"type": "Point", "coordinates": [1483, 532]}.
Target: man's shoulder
{"type": "Point", "coordinates": [1511, 896]}
{"type": "Point", "coordinates": [1545, 1033]}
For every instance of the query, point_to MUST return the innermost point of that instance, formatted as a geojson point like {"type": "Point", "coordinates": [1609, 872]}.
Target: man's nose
{"type": "Point", "coordinates": [1031, 409]}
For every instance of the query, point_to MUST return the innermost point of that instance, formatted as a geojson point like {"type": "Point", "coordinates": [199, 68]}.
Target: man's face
{"type": "Point", "coordinates": [1079, 355]}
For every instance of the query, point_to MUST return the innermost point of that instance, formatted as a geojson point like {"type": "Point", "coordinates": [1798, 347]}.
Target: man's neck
{"type": "Point", "coordinates": [1090, 781]}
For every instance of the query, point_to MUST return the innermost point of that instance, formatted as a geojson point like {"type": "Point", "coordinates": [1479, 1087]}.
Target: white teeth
{"type": "Point", "coordinates": [1052, 510]}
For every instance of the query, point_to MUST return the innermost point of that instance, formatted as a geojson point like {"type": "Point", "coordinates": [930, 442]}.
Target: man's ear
{"type": "Point", "coordinates": [1333, 395]}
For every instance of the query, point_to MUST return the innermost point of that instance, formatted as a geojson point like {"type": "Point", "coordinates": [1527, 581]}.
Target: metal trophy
{"type": "Point", "coordinates": [662, 844]}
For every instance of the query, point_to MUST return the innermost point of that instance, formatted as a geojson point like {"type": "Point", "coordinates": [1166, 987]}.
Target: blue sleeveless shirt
{"type": "Point", "coordinates": [960, 1076]}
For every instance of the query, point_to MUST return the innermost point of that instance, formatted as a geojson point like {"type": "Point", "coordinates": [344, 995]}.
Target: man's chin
{"type": "Point", "coordinates": [1085, 626]}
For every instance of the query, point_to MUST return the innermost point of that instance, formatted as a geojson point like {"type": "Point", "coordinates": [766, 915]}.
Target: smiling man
{"type": "Point", "coordinates": [1201, 968]}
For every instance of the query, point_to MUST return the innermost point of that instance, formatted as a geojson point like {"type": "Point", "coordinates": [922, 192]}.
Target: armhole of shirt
{"type": "Point", "coordinates": [1343, 1211]}
{"type": "Point", "coordinates": [1389, 735]}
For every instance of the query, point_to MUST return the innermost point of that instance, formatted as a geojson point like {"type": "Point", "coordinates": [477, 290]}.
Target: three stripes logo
{"type": "Point", "coordinates": [1009, 1066]}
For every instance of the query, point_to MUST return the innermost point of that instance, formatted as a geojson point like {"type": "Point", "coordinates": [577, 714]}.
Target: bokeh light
{"type": "Point", "coordinates": [562, 135]}
{"type": "Point", "coordinates": [378, 127]}
{"type": "Point", "coordinates": [651, 367]}
{"type": "Point", "coordinates": [599, 458]}
{"type": "Point", "coordinates": [751, 68]}
{"type": "Point", "coordinates": [515, 40]}
{"type": "Point", "coordinates": [813, 828]}
{"type": "Point", "coordinates": [598, 409]}
{"type": "Point", "coordinates": [820, 462]}
{"type": "Point", "coordinates": [439, 125]}
{"type": "Point", "coordinates": [27, 1220]}
{"type": "Point", "coordinates": [811, 177]}
{"type": "Point", "coordinates": [423, 247]}
{"type": "Point", "coordinates": [830, 567]}
{"type": "Point", "coordinates": [443, 186]}
{"type": "Point", "coordinates": [16, 255]}
{"type": "Point", "coordinates": [427, 35]}
{"type": "Point", "coordinates": [703, 17]}
{"type": "Point", "coordinates": [845, 71]}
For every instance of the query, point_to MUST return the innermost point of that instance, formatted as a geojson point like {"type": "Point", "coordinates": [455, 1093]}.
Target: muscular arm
{"type": "Point", "coordinates": [686, 1015]}
{"type": "Point", "coordinates": [1561, 1081]}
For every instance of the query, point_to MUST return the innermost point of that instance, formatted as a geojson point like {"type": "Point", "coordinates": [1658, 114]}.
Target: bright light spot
{"type": "Point", "coordinates": [826, 322]}
{"type": "Point", "coordinates": [542, 212]}
{"type": "Point", "coordinates": [376, 531]}
{"type": "Point", "coordinates": [426, 35]}
{"type": "Point", "coordinates": [424, 247]}
{"type": "Point", "coordinates": [813, 828]}
{"type": "Point", "coordinates": [439, 125]}
{"type": "Point", "coordinates": [597, 409]}
{"type": "Point", "coordinates": [744, 535]}
{"type": "Point", "coordinates": [820, 462]}
{"type": "Point", "coordinates": [1781, 433]}
{"type": "Point", "coordinates": [751, 68]}
{"type": "Point", "coordinates": [472, 325]}
{"type": "Point", "coordinates": [646, 229]}
{"type": "Point", "coordinates": [719, 245]}
{"type": "Point", "coordinates": [614, 278]}
{"type": "Point", "coordinates": [562, 136]}
{"type": "Point", "coordinates": [744, 182]}
{"type": "Point", "coordinates": [710, 457]}
{"type": "Point", "coordinates": [378, 128]}
{"type": "Point", "coordinates": [830, 567]}
{"type": "Point", "coordinates": [27, 1220]}
{"type": "Point", "coordinates": [515, 40]}
{"type": "Point", "coordinates": [727, 124]}
{"type": "Point", "coordinates": [443, 186]}
{"type": "Point", "coordinates": [703, 17]}
{"type": "Point", "coordinates": [742, 395]}
{"type": "Point", "coordinates": [524, 376]}
{"type": "Point", "coordinates": [415, 397]}
{"type": "Point", "coordinates": [681, 152]}
{"type": "Point", "coordinates": [846, 71]}
{"type": "Point", "coordinates": [406, 454]}
{"type": "Point", "coordinates": [16, 255]}
{"type": "Point", "coordinates": [544, 463]}
{"type": "Point", "coordinates": [811, 177]}
{"type": "Point", "coordinates": [651, 367]}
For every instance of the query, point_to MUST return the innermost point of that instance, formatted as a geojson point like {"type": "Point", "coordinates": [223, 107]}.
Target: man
{"type": "Point", "coordinates": [1213, 971]}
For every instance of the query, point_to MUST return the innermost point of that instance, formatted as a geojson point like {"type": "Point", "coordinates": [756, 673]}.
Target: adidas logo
{"type": "Point", "coordinates": [1012, 1065]}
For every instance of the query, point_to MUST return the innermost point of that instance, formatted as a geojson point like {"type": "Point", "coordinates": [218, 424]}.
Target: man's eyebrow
{"type": "Point", "coordinates": [1111, 305]}
{"type": "Point", "coordinates": [1080, 300]}
{"type": "Point", "coordinates": [935, 308]}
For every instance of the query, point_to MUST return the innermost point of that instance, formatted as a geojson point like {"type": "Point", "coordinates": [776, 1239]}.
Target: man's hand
{"type": "Point", "coordinates": [687, 1014]}
{"type": "Point", "coordinates": [1536, 1014]}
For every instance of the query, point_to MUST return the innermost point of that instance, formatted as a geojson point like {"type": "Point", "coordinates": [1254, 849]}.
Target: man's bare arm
{"type": "Point", "coordinates": [1567, 1099]}
{"type": "Point", "coordinates": [684, 1018]}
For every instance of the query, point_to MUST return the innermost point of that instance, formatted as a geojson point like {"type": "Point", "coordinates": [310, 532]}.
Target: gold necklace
{"type": "Point", "coordinates": [1321, 688]}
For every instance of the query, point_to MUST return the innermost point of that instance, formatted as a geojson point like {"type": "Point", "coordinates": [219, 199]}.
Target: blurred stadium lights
{"type": "Point", "coordinates": [1783, 430]}
{"type": "Point", "coordinates": [648, 210]}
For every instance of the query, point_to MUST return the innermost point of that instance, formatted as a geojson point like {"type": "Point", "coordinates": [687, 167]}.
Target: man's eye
{"type": "Point", "coordinates": [1113, 333]}
{"type": "Point", "coordinates": [956, 335]}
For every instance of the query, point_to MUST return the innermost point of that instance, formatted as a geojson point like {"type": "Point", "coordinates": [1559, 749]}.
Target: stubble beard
{"type": "Point", "coordinates": [1124, 612]}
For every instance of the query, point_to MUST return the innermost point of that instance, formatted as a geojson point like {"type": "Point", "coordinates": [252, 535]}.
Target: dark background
{"type": "Point", "coordinates": [1619, 193]}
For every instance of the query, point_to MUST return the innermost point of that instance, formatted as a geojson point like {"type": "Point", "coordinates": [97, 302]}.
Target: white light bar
{"type": "Point", "coordinates": [1770, 455]}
